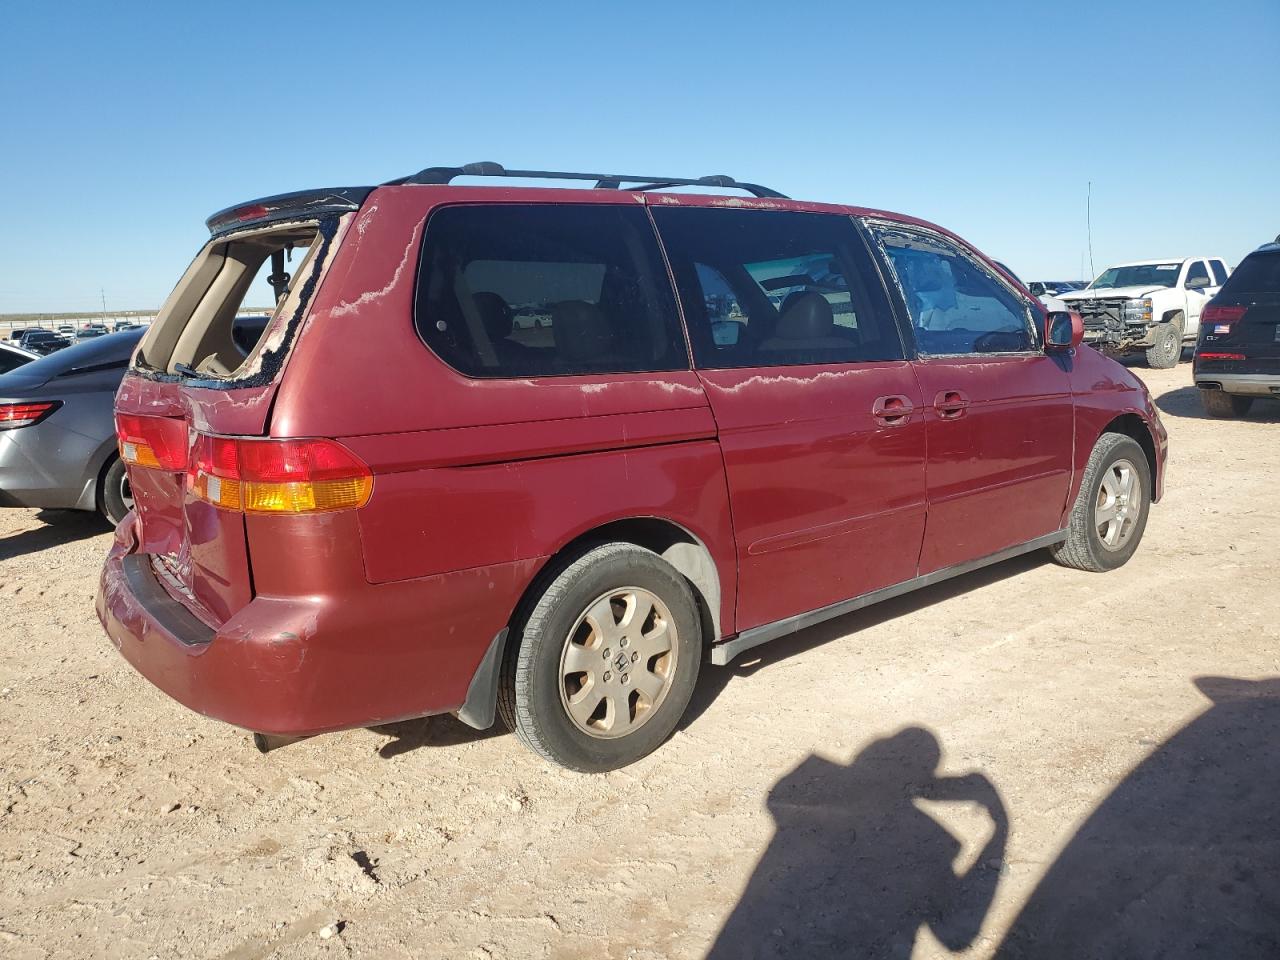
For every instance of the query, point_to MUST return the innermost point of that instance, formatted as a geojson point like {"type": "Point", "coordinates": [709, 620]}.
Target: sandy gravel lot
{"type": "Point", "coordinates": [898, 780]}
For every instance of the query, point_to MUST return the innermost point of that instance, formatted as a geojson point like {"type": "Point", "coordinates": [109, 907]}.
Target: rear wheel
{"type": "Point", "coordinates": [606, 661]}
{"type": "Point", "coordinates": [1110, 512]}
{"type": "Point", "coordinates": [115, 496]}
{"type": "Point", "coordinates": [1166, 345]}
{"type": "Point", "coordinates": [1219, 404]}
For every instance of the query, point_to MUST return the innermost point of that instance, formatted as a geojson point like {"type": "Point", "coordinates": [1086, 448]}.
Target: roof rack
{"type": "Point", "coordinates": [604, 181]}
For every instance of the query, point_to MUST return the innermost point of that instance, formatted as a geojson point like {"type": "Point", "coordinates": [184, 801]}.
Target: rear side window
{"type": "Point", "coordinates": [957, 306]}
{"type": "Point", "coordinates": [529, 290]}
{"type": "Point", "coordinates": [1257, 273]}
{"type": "Point", "coordinates": [766, 288]}
{"type": "Point", "coordinates": [1219, 272]}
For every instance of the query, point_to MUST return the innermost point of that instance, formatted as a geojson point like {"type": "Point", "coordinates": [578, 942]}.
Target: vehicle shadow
{"type": "Point", "coordinates": [439, 731]}
{"type": "Point", "coordinates": [1185, 402]}
{"type": "Point", "coordinates": [856, 868]}
{"type": "Point", "coordinates": [57, 527]}
{"type": "Point", "coordinates": [713, 680]}
{"type": "Point", "coordinates": [1183, 858]}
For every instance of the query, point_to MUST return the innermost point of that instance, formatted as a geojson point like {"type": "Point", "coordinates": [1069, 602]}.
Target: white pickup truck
{"type": "Point", "coordinates": [1151, 306]}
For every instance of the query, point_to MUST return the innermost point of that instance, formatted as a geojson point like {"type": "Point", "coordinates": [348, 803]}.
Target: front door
{"type": "Point", "coordinates": [818, 413]}
{"type": "Point", "coordinates": [998, 411]}
{"type": "Point", "coordinates": [1200, 290]}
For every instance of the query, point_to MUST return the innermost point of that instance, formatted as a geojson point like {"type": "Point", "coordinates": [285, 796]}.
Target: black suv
{"type": "Point", "coordinates": [1238, 353]}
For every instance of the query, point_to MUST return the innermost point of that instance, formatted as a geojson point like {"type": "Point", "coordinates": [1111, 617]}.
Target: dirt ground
{"type": "Point", "coordinates": [1089, 761]}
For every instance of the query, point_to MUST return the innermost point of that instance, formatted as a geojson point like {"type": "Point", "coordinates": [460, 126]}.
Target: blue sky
{"type": "Point", "coordinates": [122, 127]}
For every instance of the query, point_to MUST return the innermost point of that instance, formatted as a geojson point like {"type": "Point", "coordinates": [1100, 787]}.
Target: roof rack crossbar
{"type": "Point", "coordinates": [603, 181]}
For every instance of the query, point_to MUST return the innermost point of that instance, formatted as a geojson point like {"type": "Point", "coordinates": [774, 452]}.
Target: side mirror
{"type": "Point", "coordinates": [1063, 331]}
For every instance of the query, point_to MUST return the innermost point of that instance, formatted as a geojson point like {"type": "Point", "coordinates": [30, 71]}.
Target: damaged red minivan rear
{"type": "Point", "coordinates": [541, 453]}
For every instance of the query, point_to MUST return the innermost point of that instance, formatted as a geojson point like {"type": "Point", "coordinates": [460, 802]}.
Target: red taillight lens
{"type": "Point", "coordinates": [156, 442]}
{"type": "Point", "coordinates": [1222, 315]}
{"type": "Point", "coordinates": [15, 415]}
{"type": "Point", "coordinates": [278, 476]}
{"type": "Point", "coordinates": [1221, 356]}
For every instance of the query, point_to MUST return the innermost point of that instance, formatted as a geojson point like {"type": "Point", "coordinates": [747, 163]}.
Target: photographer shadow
{"type": "Point", "coordinates": [856, 868]}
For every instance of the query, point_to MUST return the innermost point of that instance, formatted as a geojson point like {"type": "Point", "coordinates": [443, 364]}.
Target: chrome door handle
{"type": "Point", "coordinates": [892, 411]}
{"type": "Point", "coordinates": [950, 404]}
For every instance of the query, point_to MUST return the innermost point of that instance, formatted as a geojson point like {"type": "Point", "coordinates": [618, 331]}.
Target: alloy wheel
{"type": "Point", "coordinates": [618, 662]}
{"type": "Point", "coordinates": [1119, 505]}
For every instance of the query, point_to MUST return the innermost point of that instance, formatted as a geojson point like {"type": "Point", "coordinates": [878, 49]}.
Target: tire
{"type": "Point", "coordinates": [592, 608]}
{"type": "Point", "coordinates": [114, 496]}
{"type": "Point", "coordinates": [1219, 404]}
{"type": "Point", "coordinates": [1085, 547]}
{"type": "Point", "coordinates": [1166, 345]}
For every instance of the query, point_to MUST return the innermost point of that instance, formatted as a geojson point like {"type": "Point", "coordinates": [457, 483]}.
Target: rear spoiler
{"type": "Point", "coordinates": [288, 206]}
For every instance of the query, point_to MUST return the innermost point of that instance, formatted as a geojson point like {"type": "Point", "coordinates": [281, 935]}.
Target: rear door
{"type": "Point", "coordinates": [208, 365]}
{"type": "Point", "coordinates": [817, 410]}
{"type": "Point", "coordinates": [998, 410]}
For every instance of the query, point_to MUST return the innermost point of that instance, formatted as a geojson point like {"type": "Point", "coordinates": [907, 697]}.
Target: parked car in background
{"type": "Point", "coordinates": [1052, 288]}
{"type": "Point", "coordinates": [91, 331]}
{"type": "Point", "coordinates": [67, 330]}
{"type": "Point", "coordinates": [333, 532]}
{"type": "Point", "coordinates": [16, 333]}
{"type": "Point", "coordinates": [57, 436]}
{"type": "Point", "coordinates": [42, 341]}
{"type": "Point", "coordinates": [1150, 306]}
{"type": "Point", "coordinates": [1237, 358]}
{"type": "Point", "coordinates": [13, 356]}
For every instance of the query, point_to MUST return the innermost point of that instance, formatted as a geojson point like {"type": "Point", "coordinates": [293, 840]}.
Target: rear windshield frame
{"type": "Point", "coordinates": [272, 359]}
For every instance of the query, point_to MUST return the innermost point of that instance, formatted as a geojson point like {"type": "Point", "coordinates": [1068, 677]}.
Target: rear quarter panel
{"type": "Point", "coordinates": [470, 473]}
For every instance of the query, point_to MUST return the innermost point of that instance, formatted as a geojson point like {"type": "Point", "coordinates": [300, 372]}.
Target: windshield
{"type": "Point", "coordinates": [1139, 275]}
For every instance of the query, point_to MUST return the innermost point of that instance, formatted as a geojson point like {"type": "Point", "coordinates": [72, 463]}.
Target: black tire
{"type": "Point", "coordinates": [1084, 548]}
{"type": "Point", "coordinates": [114, 499]}
{"type": "Point", "coordinates": [1166, 345]}
{"type": "Point", "coordinates": [1219, 404]}
{"type": "Point", "coordinates": [530, 698]}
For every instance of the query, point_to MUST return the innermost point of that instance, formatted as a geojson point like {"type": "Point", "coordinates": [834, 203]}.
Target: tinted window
{"type": "Point", "coordinates": [517, 290]}
{"type": "Point", "coordinates": [1219, 272]}
{"type": "Point", "coordinates": [1197, 275]}
{"type": "Point", "coordinates": [1257, 273]}
{"type": "Point", "coordinates": [10, 360]}
{"type": "Point", "coordinates": [956, 305]}
{"type": "Point", "coordinates": [765, 288]}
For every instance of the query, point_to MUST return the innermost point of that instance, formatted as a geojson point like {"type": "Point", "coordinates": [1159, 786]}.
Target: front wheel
{"type": "Point", "coordinates": [1166, 346]}
{"type": "Point", "coordinates": [1110, 512]}
{"type": "Point", "coordinates": [606, 660]}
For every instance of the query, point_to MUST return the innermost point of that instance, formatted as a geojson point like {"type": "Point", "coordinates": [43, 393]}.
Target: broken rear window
{"type": "Point", "coordinates": [213, 326]}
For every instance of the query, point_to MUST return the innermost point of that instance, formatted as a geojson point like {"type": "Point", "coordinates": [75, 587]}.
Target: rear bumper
{"type": "Point", "coordinates": [305, 665]}
{"type": "Point", "coordinates": [1244, 384]}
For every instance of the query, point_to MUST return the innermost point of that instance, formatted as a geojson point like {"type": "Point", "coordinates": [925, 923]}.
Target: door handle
{"type": "Point", "coordinates": [892, 411]}
{"type": "Point", "coordinates": [950, 404]}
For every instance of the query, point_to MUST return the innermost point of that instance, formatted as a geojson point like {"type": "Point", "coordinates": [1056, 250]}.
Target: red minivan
{"type": "Point", "coordinates": [541, 452]}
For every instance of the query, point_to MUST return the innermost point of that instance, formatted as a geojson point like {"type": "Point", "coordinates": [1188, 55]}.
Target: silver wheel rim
{"type": "Point", "coordinates": [126, 493]}
{"type": "Point", "coordinates": [1119, 503]}
{"type": "Point", "coordinates": [618, 662]}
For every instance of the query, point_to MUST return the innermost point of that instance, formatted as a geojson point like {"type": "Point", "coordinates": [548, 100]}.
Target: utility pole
{"type": "Point", "coordinates": [104, 305]}
{"type": "Point", "coordinates": [1088, 219]}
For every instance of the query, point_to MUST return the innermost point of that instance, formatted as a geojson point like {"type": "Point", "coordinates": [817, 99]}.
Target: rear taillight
{"type": "Point", "coordinates": [278, 476]}
{"type": "Point", "coordinates": [15, 415]}
{"type": "Point", "coordinates": [1221, 356]}
{"type": "Point", "coordinates": [1221, 318]}
{"type": "Point", "coordinates": [156, 442]}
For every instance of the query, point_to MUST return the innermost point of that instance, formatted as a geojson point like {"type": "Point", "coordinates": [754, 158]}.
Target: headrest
{"type": "Point", "coordinates": [581, 330]}
{"type": "Point", "coordinates": [494, 312]}
{"type": "Point", "coordinates": [808, 316]}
